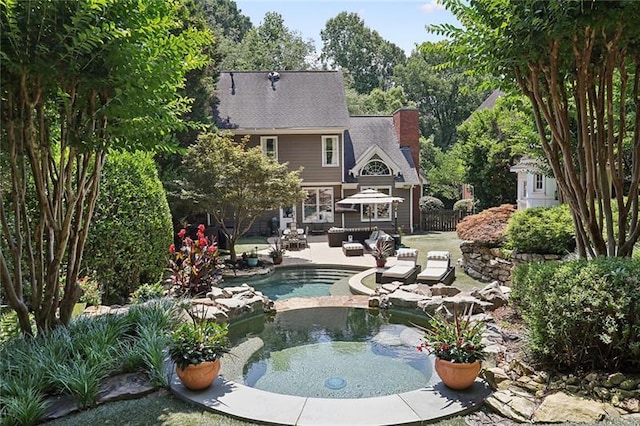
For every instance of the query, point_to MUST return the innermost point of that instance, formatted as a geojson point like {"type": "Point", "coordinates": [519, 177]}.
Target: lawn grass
{"type": "Point", "coordinates": [246, 244]}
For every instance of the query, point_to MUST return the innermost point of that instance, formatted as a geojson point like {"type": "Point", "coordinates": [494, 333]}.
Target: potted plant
{"type": "Point", "coordinates": [382, 250]}
{"type": "Point", "coordinates": [196, 348]}
{"type": "Point", "coordinates": [457, 345]}
{"type": "Point", "coordinates": [276, 252]}
{"type": "Point", "coordinates": [252, 260]}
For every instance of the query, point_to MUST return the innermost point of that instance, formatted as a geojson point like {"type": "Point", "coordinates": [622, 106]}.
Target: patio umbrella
{"type": "Point", "coordinates": [368, 197]}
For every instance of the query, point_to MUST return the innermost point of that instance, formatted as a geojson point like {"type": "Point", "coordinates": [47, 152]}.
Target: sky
{"type": "Point", "coordinates": [401, 22]}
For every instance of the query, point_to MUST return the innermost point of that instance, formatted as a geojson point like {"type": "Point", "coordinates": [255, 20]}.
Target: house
{"type": "Point", "coordinates": [535, 189]}
{"type": "Point", "coordinates": [301, 118]}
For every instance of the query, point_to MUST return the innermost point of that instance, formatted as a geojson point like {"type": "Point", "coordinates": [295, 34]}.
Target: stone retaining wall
{"type": "Point", "coordinates": [494, 264]}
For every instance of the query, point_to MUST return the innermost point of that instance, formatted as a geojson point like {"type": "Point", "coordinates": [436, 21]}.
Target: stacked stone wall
{"type": "Point", "coordinates": [494, 264]}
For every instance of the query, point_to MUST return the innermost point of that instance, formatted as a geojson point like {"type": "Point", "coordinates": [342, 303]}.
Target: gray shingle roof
{"type": "Point", "coordinates": [366, 131]}
{"type": "Point", "coordinates": [301, 99]}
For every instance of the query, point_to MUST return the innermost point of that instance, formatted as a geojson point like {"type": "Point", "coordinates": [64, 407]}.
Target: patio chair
{"type": "Point", "coordinates": [374, 237]}
{"type": "Point", "coordinates": [438, 269]}
{"type": "Point", "coordinates": [406, 268]}
{"type": "Point", "coordinates": [302, 237]}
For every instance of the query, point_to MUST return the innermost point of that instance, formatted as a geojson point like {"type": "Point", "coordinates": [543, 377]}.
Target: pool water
{"type": "Point", "coordinates": [338, 353]}
{"type": "Point", "coordinates": [285, 283]}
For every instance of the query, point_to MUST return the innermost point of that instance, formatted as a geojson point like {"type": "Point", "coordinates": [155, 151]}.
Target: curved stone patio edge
{"type": "Point", "coordinates": [422, 405]}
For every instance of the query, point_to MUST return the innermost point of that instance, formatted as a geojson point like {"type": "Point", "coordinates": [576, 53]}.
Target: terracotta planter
{"type": "Point", "coordinates": [200, 376]}
{"type": "Point", "coordinates": [381, 262]}
{"type": "Point", "coordinates": [455, 375]}
{"type": "Point", "coordinates": [277, 260]}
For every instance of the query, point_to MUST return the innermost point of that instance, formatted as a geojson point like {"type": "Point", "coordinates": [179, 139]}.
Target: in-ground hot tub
{"type": "Point", "coordinates": [335, 352]}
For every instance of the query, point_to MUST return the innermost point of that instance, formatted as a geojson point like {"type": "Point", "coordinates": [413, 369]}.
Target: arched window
{"type": "Point", "coordinates": [375, 168]}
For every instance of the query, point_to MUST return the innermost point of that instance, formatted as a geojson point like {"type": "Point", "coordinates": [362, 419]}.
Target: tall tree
{"type": "Point", "coordinates": [79, 78]}
{"type": "Point", "coordinates": [350, 45]}
{"type": "Point", "coordinates": [489, 143]}
{"type": "Point", "coordinates": [445, 96]}
{"type": "Point", "coordinates": [444, 170]}
{"type": "Point", "coordinates": [237, 184]}
{"type": "Point", "coordinates": [578, 64]}
{"type": "Point", "coordinates": [378, 102]}
{"type": "Point", "coordinates": [271, 46]}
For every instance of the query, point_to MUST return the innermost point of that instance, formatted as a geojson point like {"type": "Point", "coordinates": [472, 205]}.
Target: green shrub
{"type": "Point", "coordinates": [467, 204]}
{"type": "Point", "coordinates": [147, 292]}
{"type": "Point", "coordinates": [542, 230]}
{"type": "Point", "coordinates": [581, 314]}
{"type": "Point", "coordinates": [430, 204]}
{"type": "Point", "coordinates": [131, 228]}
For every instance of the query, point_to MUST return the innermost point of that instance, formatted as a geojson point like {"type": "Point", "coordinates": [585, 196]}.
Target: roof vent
{"type": "Point", "coordinates": [273, 77]}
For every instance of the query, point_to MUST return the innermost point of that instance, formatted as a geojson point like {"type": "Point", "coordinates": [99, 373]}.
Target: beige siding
{"type": "Point", "coordinates": [305, 151]}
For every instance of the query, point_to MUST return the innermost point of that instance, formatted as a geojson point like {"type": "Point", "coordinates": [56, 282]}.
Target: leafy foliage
{"type": "Point", "coordinates": [74, 359]}
{"type": "Point", "coordinates": [430, 204]}
{"type": "Point", "coordinates": [443, 168]}
{"type": "Point", "coordinates": [268, 47]}
{"type": "Point", "coordinates": [454, 337]}
{"type": "Point", "coordinates": [487, 227]}
{"type": "Point", "coordinates": [350, 45]}
{"type": "Point", "coordinates": [582, 314]}
{"type": "Point", "coordinates": [542, 230]}
{"type": "Point", "coordinates": [466, 204]}
{"type": "Point", "coordinates": [229, 180]}
{"type": "Point", "coordinates": [195, 342]}
{"type": "Point", "coordinates": [489, 143]}
{"type": "Point", "coordinates": [93, 76]}
{"type": "Point", "coordinates": [445, 96]}
{"type": "Point", "coordinates": [147, 292]}
{"type": "Point", "coordinates": [378, 102]}
{"type": "Point", "coordinates": [131, 228]}
{"type": "Point", "coordinates": [576, 62]}
{"type": "Point", "coordinates": [194, 265]}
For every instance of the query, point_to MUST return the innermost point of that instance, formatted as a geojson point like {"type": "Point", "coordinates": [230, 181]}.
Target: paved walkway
{"type": "Point", "coordinates": [240, 401]}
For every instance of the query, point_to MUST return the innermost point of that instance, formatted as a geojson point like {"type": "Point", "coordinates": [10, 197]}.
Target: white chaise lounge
{"type": "Point", "coordinates": [438, 269]}
{"type": "Point", "coordinates": [405, 269]}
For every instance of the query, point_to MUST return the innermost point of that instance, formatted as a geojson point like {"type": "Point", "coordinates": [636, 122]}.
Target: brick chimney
{"type": "Point", "coordinates": [407, 127]}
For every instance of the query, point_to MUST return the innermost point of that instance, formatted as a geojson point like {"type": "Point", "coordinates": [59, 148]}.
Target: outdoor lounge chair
{"type": "Point", "coordinates": [438, 269]}
{"type": "Point", "coordinates": [406, 268]}
{"type": "Point", "coordinates": [373, 238]}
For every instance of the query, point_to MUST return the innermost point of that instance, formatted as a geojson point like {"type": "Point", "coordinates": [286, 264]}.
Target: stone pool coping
{"type": "Point", "coordinates": [414, 407]}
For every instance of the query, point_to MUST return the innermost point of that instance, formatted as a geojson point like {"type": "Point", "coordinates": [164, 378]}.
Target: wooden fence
{"type": "Point", "coordinates": [444, 220]}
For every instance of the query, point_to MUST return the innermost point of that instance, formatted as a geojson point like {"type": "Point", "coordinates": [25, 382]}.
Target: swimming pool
{"type": "Point", "coordinates": [336, 352]}
{"type": "Point", "coordinates": [288, 282]}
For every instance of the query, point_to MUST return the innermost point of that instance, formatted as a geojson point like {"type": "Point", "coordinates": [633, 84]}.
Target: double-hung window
{"type": "Point", "coordinates": [330, 152]}
{"type": "Point", "coordinates": [538, 183]}
{"type": "Point", "coordinates": [269, 145]}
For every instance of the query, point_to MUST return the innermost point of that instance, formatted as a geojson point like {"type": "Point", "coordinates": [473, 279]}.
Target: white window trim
{"type": "Point", "coordinates": [535, 181]}
{"type": "Point", "coordinates": [374, 218]}
{"type": "Point", "coordinates": [317, 190]}
{"type": "Point", "coordinates": [377, 160]}
{"type": "Point", "coordinates": [263, 145]}
{"type": "Point", "coordinates": [336, 151]}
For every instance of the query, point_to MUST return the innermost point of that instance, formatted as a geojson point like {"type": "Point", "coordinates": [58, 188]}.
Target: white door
{"type": "Point", "coordinates": [287, 215]}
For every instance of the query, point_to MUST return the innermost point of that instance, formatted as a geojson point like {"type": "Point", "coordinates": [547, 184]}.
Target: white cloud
{"type": "Point", "coordinates": [432, 6]}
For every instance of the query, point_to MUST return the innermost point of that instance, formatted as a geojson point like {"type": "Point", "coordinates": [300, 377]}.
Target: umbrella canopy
{"type": "Point", "coordinates": [369, 196]}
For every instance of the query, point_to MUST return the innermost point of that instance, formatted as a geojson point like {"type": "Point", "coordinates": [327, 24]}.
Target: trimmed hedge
{"type": "Point", "coordinates": [430, 204]}
{"type": "Point", "coordinates": [582, 314]}
{"type": "Point", "coordinates": [131, 229]}
{"type": "Point", "coordinates": [542, 230]}
{"type": "Point", "coordinates": [464, 204]}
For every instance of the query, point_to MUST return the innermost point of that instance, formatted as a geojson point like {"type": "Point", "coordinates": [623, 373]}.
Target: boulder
{"type": "Point", "coordinates": [495, 375]}
{"type": "Point", "coordinates": [444, 290]}
{"type": "Point", "coordinates": [493, 294]}
{"type": "Point", "coordinates": [517, 406]}
{"type": "Point", "coordinates": [560, 407]}
{"type": "Point", "coordinates": [404, 299]}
